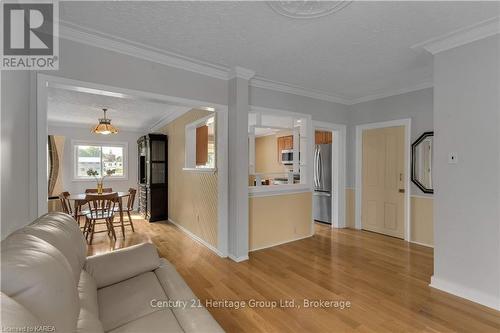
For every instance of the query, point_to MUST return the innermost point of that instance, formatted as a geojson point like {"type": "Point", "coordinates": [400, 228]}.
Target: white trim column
{"type": "Point", "coordinates": [238, 108]}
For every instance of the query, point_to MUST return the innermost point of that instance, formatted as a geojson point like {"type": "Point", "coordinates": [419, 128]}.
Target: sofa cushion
{"type": "Point", "coordinates": [156, 322]}
{"type": "Point", "coordinates": [38, 276]}
{"type": "Point", "coordinates": [15, 315]}
{"type": "Point", "coordinates": [122, 264]}
{"type": "Point", "coordinates": [128, 300]}
{"type": "Point", "coordinates": [87, 293]}
{"type": "Point", "coordinates": [88, 322]}
{"type": "Point", "coordinates": [88, 319]}
{"type": "Point", "coordinates": [192, 318]}
{"type": "Point", "coordinates": [61, 231]}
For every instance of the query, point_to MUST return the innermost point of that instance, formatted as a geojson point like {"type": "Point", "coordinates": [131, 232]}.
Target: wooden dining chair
{"type": "Point", "coordinates": [130, 207]}
{"type": "Point", "coordinates": [94, 190]}
{"type": "Point", "coordinates": [101, 208]}
{"type": "Point", "coordinates": [66, 206]}
{"type": "Point", "coordinates": [65, 203]}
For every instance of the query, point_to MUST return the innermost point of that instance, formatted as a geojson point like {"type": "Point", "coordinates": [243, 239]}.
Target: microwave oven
{"type": "Point", "coordinates": [287, 157]}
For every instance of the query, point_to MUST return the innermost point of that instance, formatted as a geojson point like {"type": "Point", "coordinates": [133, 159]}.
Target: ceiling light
{"type": "Point", "coordinates": [104, 126]}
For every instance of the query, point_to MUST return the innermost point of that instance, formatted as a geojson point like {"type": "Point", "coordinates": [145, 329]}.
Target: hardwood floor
{"type": "Point", "coordinates": [385, 279]}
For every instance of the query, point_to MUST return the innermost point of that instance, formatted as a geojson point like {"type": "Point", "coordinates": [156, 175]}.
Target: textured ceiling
{"type": "Point", "coordinates": [363, 49]}
{"type": "Point", "coordinates": [79, 108]}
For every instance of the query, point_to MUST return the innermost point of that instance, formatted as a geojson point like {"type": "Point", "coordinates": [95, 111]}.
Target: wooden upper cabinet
{"type": "Point", "coordinates": [322, 137]}
{"type": "Point", "coordinates": [202, 145]}
{"type": "Point", "coordinates": [284, 143]}
{"type": "Point", "coordinates": [328, 137]}
{"type": "Point", "coordinates": [288, 142]}
{"type": "Point", "coordinates": [318, 137]}
{"type": "Point", "coordinates": [280, 147]}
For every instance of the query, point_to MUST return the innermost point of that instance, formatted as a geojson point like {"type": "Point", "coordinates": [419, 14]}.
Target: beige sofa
{"type": "Point", "coordinates": [48, 283]}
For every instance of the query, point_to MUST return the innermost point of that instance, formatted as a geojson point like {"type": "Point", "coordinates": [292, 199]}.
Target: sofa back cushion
{"type": "Point", "coordinates": [110, 268]}
{"type": "Point", "coordinates": [37, 275]}
{"type": "Point", "coordinates": [61, 231]}
{"type": "Point", "coordinates": [14, 315]}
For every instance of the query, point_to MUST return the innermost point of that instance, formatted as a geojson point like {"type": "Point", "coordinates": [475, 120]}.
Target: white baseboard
{"type": "Point", "coordinates": [238, 259]}
{"type": "Point", "coordinates": [280, 243]}
{"type": "Point", "coordinates": [423, 244]}
{"type": "Point", "coordinates": [419, 196]}
{"type": "Point", "coordinates": [465, 292]}
{"type": "Point", "coordinates": [198, 239]}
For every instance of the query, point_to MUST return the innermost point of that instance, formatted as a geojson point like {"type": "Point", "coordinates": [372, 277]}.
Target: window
{"type": "Point", "coordinates": [101, 158]}
{"type": "Point", "coordinates": [200, 144]}
{"type": "Point", "coordinates": [278, 146]}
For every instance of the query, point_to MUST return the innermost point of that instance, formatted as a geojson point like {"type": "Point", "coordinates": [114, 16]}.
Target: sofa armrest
{"type": "Point", "coordinates": [122, 264]}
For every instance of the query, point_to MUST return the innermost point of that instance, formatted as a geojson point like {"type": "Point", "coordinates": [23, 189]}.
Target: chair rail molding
{"type": "Point", "coordinates": [460, 37]}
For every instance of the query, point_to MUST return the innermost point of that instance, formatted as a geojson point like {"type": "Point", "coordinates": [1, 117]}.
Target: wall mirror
{"type": "Point", "coordinates": [421, 162]}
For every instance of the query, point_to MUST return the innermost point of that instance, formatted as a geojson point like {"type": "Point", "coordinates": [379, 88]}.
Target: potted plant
{"type": "Point", "coordinates": [100, 180]}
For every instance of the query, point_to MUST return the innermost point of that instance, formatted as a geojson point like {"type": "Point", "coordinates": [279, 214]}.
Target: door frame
{"type": "Point", "coordinates": [338, 169]}
{"type": "Point", "coordinates": [38, 122]}
{"type": "Point", "coordinates": [406, 122]}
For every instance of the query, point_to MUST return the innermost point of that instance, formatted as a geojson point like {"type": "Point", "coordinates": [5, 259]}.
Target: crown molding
{"type": "Point", "coordinates": [390, 93]}
{"type": "Point", "coordinates": [240, 72]}
{"type": "Point", "coordinates": [95, 38]}
{"type": "Point", "coordinates": [461, 36]}
{"type": "Point", "coordinates": [168, 119]}
{"type": "Point", "coordinates": [79, 34]}
{"type": "Point", "coordinates": [260, 82]}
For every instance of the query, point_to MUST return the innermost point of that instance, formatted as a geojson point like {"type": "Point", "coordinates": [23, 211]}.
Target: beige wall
{"type": "Point", "coordinates": [421, 219]}
{"type": "Point", "coordinates": [266, 155]}
{"type": "Point", "coordinates": [192, 196]}
{"type": "Point", "coordinates": [279, 219]}
{"type": "Point", "coordinates": [349, 208]}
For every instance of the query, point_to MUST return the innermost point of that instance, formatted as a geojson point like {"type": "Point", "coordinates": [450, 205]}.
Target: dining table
{"type": "Point", "coordinates": [79, 201]}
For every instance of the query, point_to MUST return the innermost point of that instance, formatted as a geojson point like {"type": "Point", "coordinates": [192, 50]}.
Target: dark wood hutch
{"type": "Point", "coordinates": [153, 174]}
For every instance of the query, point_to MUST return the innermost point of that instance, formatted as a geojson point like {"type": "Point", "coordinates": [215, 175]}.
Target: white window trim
{"type": "Point", "coordinates": [306, 178]}
{"type": "Point", "coordinates": [124, 145]}
{"type": "Point", "coordinates": [190, 141]}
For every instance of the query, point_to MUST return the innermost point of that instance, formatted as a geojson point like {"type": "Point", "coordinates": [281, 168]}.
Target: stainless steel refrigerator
{"type": "Point", "coordinates": [322, 182]}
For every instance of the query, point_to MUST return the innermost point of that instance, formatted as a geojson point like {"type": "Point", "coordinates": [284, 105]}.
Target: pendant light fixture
{"type": "Point", "coordinates": [104, 126]}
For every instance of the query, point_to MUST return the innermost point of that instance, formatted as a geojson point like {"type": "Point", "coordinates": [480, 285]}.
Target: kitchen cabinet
{"type": "Point", "coordinates": [322, 137]}
{"type": "Point", "coordinates": [284, 143]}
{"type": "Point", "coordinates": [202, 145]}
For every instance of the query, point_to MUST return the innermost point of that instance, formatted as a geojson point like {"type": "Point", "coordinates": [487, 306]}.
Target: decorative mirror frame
{"type": "Point", "coordinates": [413, 162]}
